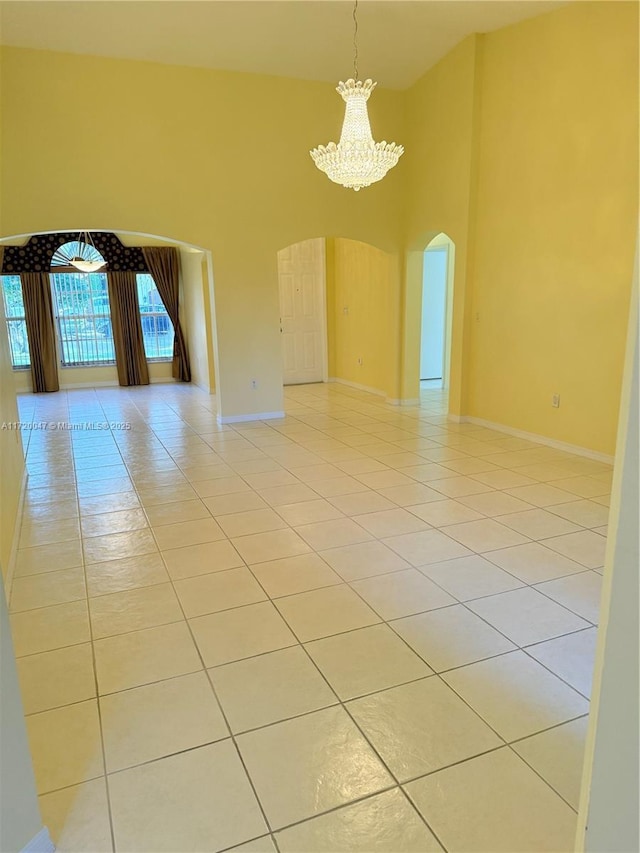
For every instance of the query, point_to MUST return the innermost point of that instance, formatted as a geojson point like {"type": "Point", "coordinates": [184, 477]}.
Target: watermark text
{"type": "Point", "coordinates": [64, 426]}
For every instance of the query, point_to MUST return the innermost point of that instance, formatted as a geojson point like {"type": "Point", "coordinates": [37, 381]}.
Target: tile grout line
{"type": "Point", "coordinates": [477, 712]}
{"type": "Point", "coordinates": [223, 714]}
{"type": "Point", "coordinates": [344, 707]}
{"type": "Point", "coordinates": [347, 583]}
{"type": "Point", "coordinates": [95, 675]}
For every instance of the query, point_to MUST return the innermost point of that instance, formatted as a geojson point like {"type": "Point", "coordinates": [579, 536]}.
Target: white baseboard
{"type": "Point", "coordinates": [358, 386]}
{"type": "Point", "coordinates": [40, 843]}
{"type": "Point", "coordinates": [539, 439]}
{"type": "Point", "coordinates": [391, 401]}
{"type": "Point", "coordinates": [107, 383]}
{"type": "Point", "coordinates": [406, 401]}
{"type": "Point", "coordinates": [456, 419]}
{"type": "Point", "coordinates": [17, 529]}
{"type": "Point", "coordinates": [258, 416]}
{"type": "Point", "coordinates": [113, 383]}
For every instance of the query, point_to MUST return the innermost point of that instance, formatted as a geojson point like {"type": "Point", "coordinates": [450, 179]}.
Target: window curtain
{"type": "Point", "coordinates": [38, 309]}
{"type": "Point", "coordinates": [162, 263]}
{"type": "Point", "coordinates": [127, 329]}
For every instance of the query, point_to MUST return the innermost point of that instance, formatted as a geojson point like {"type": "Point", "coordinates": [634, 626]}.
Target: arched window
{"type": "Point", "coordinates": [64, 254]}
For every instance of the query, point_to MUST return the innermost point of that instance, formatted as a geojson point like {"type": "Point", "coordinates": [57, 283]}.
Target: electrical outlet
{"type": "Point", "coordinates": [555, 401]}
{"type": "Point", "coordinates": [254, 384]}
{"type": "Point", "coordinates": [345, 310]}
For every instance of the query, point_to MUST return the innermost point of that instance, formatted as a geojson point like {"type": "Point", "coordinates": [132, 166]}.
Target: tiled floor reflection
{"type": "Point", "coordinates": [338, 631]}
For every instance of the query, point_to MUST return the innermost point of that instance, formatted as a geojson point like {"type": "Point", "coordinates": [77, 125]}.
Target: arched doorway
{"type": "Point", "coordinates": [339, 314]}
{"type": "Point", "coordinates": [436, 313]}
{"type": "Point", "coordinates": [86, 360]}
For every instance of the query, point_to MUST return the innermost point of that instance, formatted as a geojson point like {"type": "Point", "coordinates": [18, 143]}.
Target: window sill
{"type": "Point", "coordinates": [25, 368]}
{"type": "Point", "coordinates": [85, 364]}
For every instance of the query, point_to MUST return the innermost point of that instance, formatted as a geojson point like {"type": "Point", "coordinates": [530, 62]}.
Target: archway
{"type": "Point", "coordinates": [436, 313]}
{"type": "Point", "coordinates": [345, 294]}
{"type": "Point", "coordinates": [122, 249]}
{"type": "Point", "coordinates": [433, 255]}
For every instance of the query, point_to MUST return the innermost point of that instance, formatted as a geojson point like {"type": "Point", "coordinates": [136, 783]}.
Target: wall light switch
{"type": "Point", "coordinates": [555, 401]}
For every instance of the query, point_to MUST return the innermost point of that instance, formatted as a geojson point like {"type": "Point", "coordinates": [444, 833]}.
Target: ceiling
{"type": "Point", "coordinates": [398, 39]}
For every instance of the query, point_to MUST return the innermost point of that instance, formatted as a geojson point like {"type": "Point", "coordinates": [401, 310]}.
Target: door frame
{"type": "Point", "coordinates": [324, 325]}
{"type": "Point", "coordinates": [447, 341]}
{"type": "Point", "coordinates": [445, 319]}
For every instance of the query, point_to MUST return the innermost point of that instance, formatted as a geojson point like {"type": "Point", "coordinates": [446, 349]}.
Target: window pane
{"type": "Point", "coordinates": [18, 343]}
{"type": "Point", "coordinates": [12, 294]}
{"type": "Point", "coordinates": [83, 316]}
{"type": "Point", "coordinates": [157, 328]}
{"type": "Point", "coordinates": [16, 325]}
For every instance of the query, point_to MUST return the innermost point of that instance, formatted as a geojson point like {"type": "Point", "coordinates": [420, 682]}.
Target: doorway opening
{"type": "Point", "coordinates": [435, 329]}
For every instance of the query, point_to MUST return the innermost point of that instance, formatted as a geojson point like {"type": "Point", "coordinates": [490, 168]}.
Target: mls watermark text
{"type": "Point", "coordinates": [64, 426]}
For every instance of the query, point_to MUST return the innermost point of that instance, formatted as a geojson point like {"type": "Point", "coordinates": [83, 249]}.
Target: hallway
{"type": "Point", "coordinates": [338, 631]}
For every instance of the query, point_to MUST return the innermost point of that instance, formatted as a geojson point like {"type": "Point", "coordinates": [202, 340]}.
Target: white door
{"type": "Point", "coordinates": [302, 311]}
{"type": "Point", "coordinates": [434, 310]}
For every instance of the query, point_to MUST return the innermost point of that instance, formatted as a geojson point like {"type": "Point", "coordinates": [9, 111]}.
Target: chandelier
{"type": "Point", "coordinates": [356, 161]}
{"type": "Point", "coordinates": [87, 258]}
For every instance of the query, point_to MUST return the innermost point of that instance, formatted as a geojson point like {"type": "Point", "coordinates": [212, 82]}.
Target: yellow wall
{"type": "Point", "coordinates": [215, 159]}
{"type": "Point", "coordinates": [362, 304]}
{"type": "Point", "coordinates": [442, 109]}
{"type": "Point", "coordinates": [522, 147]}
{"type": "Point", "coordinates": [556, 222]}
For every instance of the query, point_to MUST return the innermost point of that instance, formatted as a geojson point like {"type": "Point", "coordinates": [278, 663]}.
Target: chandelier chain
{"type": "Point", "coordinates": [355, 40]}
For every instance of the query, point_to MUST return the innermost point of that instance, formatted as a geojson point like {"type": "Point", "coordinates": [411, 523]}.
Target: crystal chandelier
{"type": "Point", "coordinates": [356, 161]}
{"type": "Point", "coordinates": [87, 258]}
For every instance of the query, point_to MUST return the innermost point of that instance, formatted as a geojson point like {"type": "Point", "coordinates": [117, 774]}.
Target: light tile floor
{"type": "Point", "coordinates": [358, 628]}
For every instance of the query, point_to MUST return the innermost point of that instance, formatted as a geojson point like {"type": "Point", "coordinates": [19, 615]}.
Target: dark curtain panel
{"type": "Point", "coordinates": [163, 266]}
{"type": "Point", "coordinates": [127, 329]}
{"type": "Point", "coordinates": [38, 309]}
